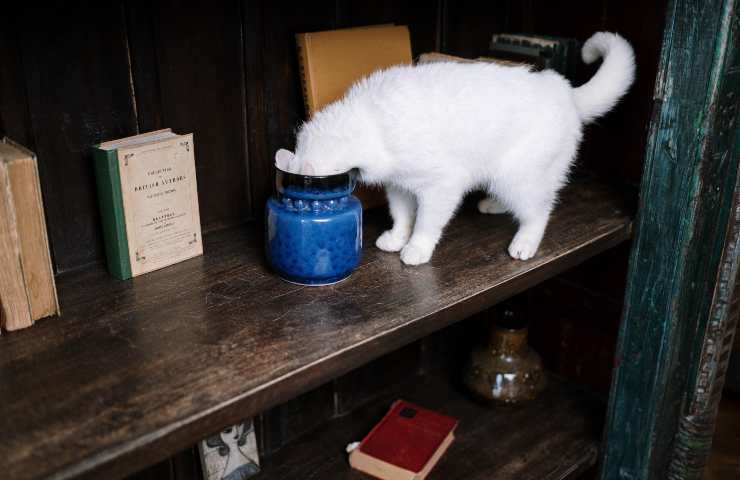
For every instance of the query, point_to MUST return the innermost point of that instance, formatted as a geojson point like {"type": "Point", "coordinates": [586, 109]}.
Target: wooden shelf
{"type": "Point", "coordinates": [135, 371]}
{"type": "Point", "coordinates": [554, 437]}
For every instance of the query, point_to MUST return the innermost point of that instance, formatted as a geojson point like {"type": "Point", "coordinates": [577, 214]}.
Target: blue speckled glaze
{"type": "Point", "coordinates": [314, 234]}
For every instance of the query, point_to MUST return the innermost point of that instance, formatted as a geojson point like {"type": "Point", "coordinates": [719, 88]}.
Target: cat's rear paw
{"type": "Point", "coordinates": [388, 242]}
{"type": "Point", "coordinates": [523, 247]}
{"type": "Point", "coordinates": [491, 206]}
{"type": "Point", "coordinates": [414, 254]}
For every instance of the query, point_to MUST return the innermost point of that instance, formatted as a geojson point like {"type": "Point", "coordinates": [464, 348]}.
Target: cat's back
{"type": "Point", "coordinates": [467, 85]}
{"type": "Point", "coordinates": [428, 75]}
{"type": "Point", "coordinates": [470, 108]}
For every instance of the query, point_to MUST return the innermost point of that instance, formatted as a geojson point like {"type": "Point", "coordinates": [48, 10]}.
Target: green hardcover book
{"type": "Point", "coordinates": [148, 199]}
{"type": "Point", "coordinates": [111, 212]}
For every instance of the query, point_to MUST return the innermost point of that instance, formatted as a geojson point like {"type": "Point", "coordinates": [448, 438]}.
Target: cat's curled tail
{"type": "Point", "coordinates": [614, 77]}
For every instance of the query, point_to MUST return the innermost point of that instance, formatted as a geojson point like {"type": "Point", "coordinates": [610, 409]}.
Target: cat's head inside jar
{"type": "Point", "coordinates": [317, 153]}
{"type": "Point", "coordinates": [309, 164]}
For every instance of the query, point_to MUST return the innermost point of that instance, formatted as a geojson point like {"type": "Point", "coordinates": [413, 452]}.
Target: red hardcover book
{"type": "Point", "coordinates": [405, 444]}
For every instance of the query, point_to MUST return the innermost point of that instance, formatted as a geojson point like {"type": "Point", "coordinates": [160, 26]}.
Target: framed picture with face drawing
{"type": "Point", "coordinates": [231, 454]}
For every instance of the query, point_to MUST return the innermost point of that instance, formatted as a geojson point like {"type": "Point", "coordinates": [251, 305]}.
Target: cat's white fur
{"type": "Point", "coordinates": [433, 132]}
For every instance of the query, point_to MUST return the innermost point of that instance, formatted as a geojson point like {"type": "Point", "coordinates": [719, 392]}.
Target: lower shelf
{"type": "Point", "coordinates": [554, 437]}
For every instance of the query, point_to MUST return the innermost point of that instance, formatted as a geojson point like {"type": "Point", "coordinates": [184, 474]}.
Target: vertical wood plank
{"type": "Point", "coordinates": [275, 102]}
{"type": "Point", "coordinates": [709, 360]}
{"type": "Point", "coordinates": [420, 17]}
{"type": "Point", "coordinates": [160, 471]}
{"type": "Point", "coordinates": [709, 365]}
{"type": "Point", "coordinates": [15, 121]}
{"type": "Point", "coordinates": [77, 80]}
{"type": "Point", "coordinates": [733, 366]}
{"type": "Point", "coordinates": [616, 143]}
{"type": "Point", "coordinates": [186, 465]}
{"type": "Point", "coordinates": [469, 24]}
{"type": "Point", "coordinates": [296, 417]}
{"type": "Point", "coordinates": [362, 385]}
{"type": "Point", "coordinates": [197, 53]}
{"type": "Point", "coordinates": [685, 212]}
{"type": "Point", "coordinates": [142, 45]}
{"type": "Point", "coordinates": [260, 166]}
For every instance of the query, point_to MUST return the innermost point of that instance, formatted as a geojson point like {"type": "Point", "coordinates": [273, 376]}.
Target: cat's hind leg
{"type": "Point", "coordinates": [402, 206]}
{"type": "Point", "coordinates": [531, 208]}
{"type": "Point", "coordinates": [436, 208]}
{"type": "Point", "coordinates": [491, 206]}
{"type": "Point", "coordinates": [530, 193]}
{"type": "Point", "coordinates": [528, 237]}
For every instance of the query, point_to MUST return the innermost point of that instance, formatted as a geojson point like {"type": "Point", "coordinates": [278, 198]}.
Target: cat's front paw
{"type": "Point", "coordinates": [390, 242]}
{"type": "Point", "coordinates": [523, 247]}
{"type": "Point", "coordinates": [415, 254]}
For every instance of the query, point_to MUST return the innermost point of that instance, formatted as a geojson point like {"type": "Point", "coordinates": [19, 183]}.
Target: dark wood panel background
{"type": "Point", "coordinates": [78, 91]}
{"type": "Point", "coordinates": [72, 76]}
{"type": "Point", "coordinates": [200, 84]}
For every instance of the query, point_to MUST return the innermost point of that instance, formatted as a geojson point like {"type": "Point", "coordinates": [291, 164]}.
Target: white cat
{"type": "Point", "coordinates": [433, 132]}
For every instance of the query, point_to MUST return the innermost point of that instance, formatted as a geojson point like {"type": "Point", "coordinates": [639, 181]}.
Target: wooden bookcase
{"type": "Point", "coordinates": [134, 373]}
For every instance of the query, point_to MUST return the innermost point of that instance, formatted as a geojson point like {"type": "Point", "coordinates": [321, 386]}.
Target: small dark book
{"type": "Point", "coordinates": [405, 444]}
{"type": "Point", "coordinates": [542, 51]}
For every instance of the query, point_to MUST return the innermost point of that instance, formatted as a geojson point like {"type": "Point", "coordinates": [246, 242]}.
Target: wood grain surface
{"type": "Point", "coordinates": [135, 371]}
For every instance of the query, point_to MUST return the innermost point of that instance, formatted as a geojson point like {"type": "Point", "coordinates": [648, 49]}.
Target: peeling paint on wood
{"type": "Point", "coordinates": [673, 315]}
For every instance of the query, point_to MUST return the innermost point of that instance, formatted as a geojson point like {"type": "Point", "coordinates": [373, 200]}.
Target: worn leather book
{"type": "Point", "coordinates": [331, 61]}
{"type": "Point", "coordinates": [148, 201]}
{"type": "Point", "coordinates": [27, 287]}
{"type": "Point", "coordinates": [405, 444]}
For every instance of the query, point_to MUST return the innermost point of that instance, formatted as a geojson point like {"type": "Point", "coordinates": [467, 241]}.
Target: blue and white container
{"type": "Point", "coordinates": [314, 228]}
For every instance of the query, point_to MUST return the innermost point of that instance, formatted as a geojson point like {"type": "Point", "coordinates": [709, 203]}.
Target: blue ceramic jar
{"type": "Point", "coordinates": [314, 228]}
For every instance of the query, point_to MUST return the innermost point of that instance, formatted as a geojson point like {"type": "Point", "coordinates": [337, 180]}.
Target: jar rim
{"type": "Point", "coordinates": [324, 186]}
{"type": "Point", "coordinates": [334, 176]}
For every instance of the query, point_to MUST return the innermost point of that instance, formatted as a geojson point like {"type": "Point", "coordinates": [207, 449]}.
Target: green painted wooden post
{"type": "Point", "coordinates": [684, 260]}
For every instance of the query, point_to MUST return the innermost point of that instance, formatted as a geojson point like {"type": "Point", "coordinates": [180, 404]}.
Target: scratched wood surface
{"type": "Point", "coordinates": [554, 437]}
{"type": "Point", "coordinates": [710, 353]}
{"type": "Point", "coordinates": [138, 370]}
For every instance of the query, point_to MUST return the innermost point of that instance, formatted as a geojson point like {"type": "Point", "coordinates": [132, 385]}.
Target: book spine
{"type": "Point", "coordinates": [308, 98]}
{"type": "Point", "coordinates": [31, 229]}
{"type": "Point", "coordinates": [54, 306]}
{"type": "Point", "coordinates": [112, 215]}
{"type": "Point", "coordinates": [51, 307]}
{"type": "Point", "coordinates": [15, 312]}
